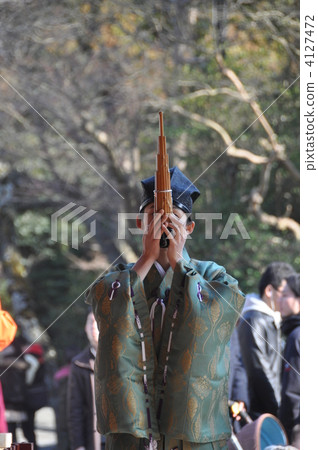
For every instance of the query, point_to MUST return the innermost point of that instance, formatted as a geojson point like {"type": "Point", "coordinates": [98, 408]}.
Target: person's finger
{"type": "Point", "coordinates": [176, 219]}
{"type": "Point", "coordinates": [173, 231]}
{"type": "Point", "coordinates": [157, 217]}
{"type": "Point", "coordinates": [158, 225]}
{"type": "Point", "coordinates": [155, 225]}
{"type": "Point", "coordinates": [179, 228]}
{"type": "Point", "coordinates": [169, 234]}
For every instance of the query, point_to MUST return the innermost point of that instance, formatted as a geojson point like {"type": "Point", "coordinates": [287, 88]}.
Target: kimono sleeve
{"type": "Point", "coordinates": [124, 356]}
{"type": "Point", "coordinates": [205, 303]}
{"type": "Point", "coordinates": [209, 283]}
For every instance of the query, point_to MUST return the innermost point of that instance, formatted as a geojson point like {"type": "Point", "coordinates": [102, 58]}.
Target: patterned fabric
{"type": "Point", "coordinates": [153, 383]}
{"type": "Point", "coordinates": [129, 442]}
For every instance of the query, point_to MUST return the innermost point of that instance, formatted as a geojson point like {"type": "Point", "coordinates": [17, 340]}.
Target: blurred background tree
{"type": "Point", "coordinates": [81, 86]}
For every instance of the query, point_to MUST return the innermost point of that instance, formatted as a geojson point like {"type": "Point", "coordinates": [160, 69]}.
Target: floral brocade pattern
{"type": "Point", "coordinates": [186, 373]}
{"type": "Point", "coordinates": [202, 387]}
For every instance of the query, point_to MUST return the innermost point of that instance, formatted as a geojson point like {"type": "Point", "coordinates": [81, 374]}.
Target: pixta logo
{"type": "Point", "coordinates": [61, 223]}
{"type": "Point", "coordinates": [232, 227]}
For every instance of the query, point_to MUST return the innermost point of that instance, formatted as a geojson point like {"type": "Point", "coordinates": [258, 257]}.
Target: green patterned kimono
{"type": "Point", "coordinates": [162, 362]}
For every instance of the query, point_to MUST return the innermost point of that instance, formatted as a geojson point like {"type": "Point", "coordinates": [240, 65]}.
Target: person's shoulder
{"type": "Point", "coordinates": [257, 316]}
{"type": "Point", "coordinates": [121, 267]}
{"type": "Point", "coordinates": [113, 271]}
{"type": "Point", "coordinates": [213, 272]}
{"type": "Point", "coordinates": [108, 277]}
{"type": "Point", "coordinates": [295, 335]}
{"type": "Point", "coordinates": [209, 269]}
{"type": "Point", "coordinates": [255, 319]}
{"type": "Point", "coordinates": [82, 357]}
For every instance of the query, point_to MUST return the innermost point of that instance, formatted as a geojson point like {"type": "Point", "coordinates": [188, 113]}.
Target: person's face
{"type": "Point", "coordinates": [289, 304]}
{"type": "Point", "coordinates": [274, 295]}
{"type": "Point", "coordinates": [277, 294]}
{"type": "Point", "coordinates": [92, 330]}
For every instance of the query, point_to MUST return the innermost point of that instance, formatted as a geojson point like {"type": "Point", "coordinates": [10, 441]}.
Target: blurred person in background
{"type": "Point", "coordinates": [60, 387]}
{"type": "Point", "coordinates": [8, 329]}
{"type": "Point", "coordinates": [260, 340]}
{"type": "Point", "coordinates": [289, 412]}
{"type": "Point", "coordinates": [13, 368]}
{"type": "Point", "coordinates": [238, 383]}
{"type": "Point", "coordinates": [81, 408]}
{"type": "Point", "coordinates": [24, 387]}
{"type": "Point", "coordinates": [36, 388]}
{"type": "Point", "coordinates": [3, 422]}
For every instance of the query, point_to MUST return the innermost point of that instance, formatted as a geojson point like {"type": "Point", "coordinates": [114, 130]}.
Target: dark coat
{"type": "Point", "coordinates": [13, 369]}
{"type": "Point", "coordinates": [238, 390]}
{"type": "Point", "coordinates": [61, 413]}
{"type": "Point", "coordinates": [238, 383]}
{"type": "Point", "coordinates": [260, 344]}
{"type": "Point", "coordinates": [80, 402]}
{"type": "Point", "coordinates": [289, 411]}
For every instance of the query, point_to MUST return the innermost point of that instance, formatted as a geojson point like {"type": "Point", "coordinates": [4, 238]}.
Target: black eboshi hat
{"type": "Point", "coordinates": [184, 193]}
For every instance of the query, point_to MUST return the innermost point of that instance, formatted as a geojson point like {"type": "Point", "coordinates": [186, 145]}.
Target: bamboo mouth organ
{"type": "Point", "coordinates": [163, 191]}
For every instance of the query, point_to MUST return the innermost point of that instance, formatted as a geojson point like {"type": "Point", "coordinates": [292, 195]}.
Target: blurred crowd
{"type": "Point", "coordinates": [265, 351]}
{"type": "Point", "coordinates": [264, 371]}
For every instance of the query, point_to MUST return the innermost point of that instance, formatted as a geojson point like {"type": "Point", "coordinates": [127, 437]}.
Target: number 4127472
{"type": "Point", "coordinates": [309, 41]}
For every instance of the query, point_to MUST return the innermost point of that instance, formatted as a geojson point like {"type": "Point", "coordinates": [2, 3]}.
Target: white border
{"type": "Point", "coordinates": [309, 243]}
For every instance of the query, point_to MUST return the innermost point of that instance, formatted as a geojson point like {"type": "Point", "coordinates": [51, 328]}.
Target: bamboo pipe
{"type": "Point", "coordinates": [163, 193]}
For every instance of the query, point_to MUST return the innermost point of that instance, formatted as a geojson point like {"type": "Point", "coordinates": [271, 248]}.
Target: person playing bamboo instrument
{"type": "Point", "coordinates": [165, 322]}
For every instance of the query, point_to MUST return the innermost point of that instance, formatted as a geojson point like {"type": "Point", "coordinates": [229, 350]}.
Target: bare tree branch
{"type": "Point", "coordinates": [276, 146]}
{"type": "Point", "coordinates": [281, 223]}
{"type": "Point", "coordinates": [209, 92]}
{"type": "Point", "coordinates": [232, 150]}
{"type": "Point", "coordinates": [102, 138]}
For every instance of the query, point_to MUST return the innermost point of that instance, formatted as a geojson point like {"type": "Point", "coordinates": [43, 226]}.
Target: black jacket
{"type": "Point", "coordinates": [290, 404]}
{"type": "Point", "coordinates": [13, 370]}
{"type": "Point", "coordinates": [260, 344]}
{"type": "Point", "coordinates": [80, 402]}
{"type": "Point", "coordinates": [237, 377]}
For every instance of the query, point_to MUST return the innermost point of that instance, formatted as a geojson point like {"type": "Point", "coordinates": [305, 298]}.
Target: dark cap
{"type": "Point", "coordinates": [184, 193]}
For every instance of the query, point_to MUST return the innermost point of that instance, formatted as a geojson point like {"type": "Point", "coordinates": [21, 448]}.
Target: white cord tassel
{"type": "Point", "coordinates": [152, 445]}
{"type": "Point", "coordinates": [159, 301]}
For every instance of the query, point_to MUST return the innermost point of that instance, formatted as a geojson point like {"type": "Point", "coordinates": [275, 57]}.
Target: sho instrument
{"type": "Point", "coordinates": [163, 192]}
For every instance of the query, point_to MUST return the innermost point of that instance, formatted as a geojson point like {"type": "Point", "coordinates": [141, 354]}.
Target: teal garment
{"type": "Point", "coordinates": [176, 385]}
{"type": "Point", "coordinates": [129, 442]}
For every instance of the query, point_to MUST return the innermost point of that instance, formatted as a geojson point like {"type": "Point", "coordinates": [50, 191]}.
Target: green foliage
{"type": "Point", "coordinates": [32, 233]}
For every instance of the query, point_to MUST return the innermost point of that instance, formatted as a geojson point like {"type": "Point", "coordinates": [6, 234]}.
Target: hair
{"type": "Point", "coordinates": [293, 282]}
{"type": "Point", "coordinates": [274, 274]}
